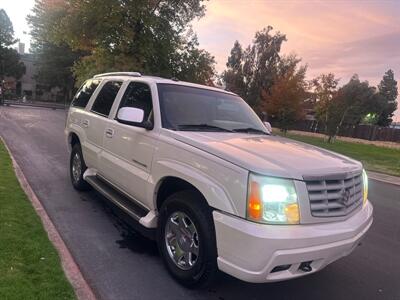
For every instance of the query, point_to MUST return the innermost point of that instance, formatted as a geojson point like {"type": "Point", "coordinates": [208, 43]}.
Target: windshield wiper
{"type": "Point", "coordinates": [200, 127]}
{"type": "Point", "coordinates": [249, 130]}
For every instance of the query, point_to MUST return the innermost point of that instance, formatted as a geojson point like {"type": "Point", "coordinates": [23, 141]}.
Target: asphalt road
{"type": "Point", "coordinates": [119, 264]}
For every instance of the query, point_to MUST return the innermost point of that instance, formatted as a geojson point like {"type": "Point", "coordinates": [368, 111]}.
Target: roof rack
{"type": "Point", "coordinates": [132, 74]}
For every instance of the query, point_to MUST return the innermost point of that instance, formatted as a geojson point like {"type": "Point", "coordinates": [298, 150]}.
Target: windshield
{"type": "Point", "coordinates": [197, 109]}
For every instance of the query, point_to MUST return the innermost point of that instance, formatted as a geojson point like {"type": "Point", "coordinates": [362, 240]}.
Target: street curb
{"type": "Point", "coordinates": [71, 269]}
{"type": "Point", "coordinates": [384, 178]}
{"type": "Point", "coordinates": [38, 105]}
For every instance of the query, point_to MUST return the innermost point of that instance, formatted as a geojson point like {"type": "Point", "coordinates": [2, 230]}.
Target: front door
{"type": "Point", "coordinates": [128, 153]}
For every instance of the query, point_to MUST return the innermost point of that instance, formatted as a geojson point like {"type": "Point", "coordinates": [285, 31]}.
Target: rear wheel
{"type": "Point", "coordinates": [77, 169]}
{"type": "Point", "coordinates": [186, 239]}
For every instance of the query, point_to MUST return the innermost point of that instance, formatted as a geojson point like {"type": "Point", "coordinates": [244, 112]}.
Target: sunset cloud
{"type": "Point", "coordinates": [344, 37]}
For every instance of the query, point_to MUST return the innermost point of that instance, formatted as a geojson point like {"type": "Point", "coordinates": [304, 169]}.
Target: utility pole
{"type": "Point", "coordinates": [2, 92]}
{"type": "Point", "coordinates": [2, 80]}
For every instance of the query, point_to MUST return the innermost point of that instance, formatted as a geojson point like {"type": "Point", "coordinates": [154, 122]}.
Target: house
{"type": "Point", "coordinates": [27, 85]}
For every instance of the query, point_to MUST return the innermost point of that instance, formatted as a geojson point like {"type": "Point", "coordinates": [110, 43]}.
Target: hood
{"type": "Point", "coordinates": [270, 155]}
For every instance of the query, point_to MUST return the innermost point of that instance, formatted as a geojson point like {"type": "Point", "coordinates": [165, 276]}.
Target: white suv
{"type": "Point", "coordinates": [196, 169]}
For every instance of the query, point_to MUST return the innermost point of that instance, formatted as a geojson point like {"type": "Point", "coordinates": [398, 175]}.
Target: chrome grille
{"type": "Point", "coordinates": [334, 197]}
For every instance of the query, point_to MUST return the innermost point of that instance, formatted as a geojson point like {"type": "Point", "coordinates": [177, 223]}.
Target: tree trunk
{"type": "Point", "coordinates": [326, 122]}
{"type": "Point", "coordinates": [340, 123]}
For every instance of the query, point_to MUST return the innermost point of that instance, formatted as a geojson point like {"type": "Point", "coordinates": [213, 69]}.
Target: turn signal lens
{"type": "Point", "coordinates": [254, 209]}
{"type": "Point", "coordinates": [292, 213]}
{"type": "Point", "coordinates": [365, 187]}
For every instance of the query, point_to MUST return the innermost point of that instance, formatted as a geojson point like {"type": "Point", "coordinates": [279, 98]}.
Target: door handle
{"type": "Point", "coordinates": [109, 132]}
{"type": "Point", "coordinates": [85, 123]}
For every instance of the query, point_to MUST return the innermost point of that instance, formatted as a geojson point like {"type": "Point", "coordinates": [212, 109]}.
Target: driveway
{"type": "Point", "coordinates": [119, 264]}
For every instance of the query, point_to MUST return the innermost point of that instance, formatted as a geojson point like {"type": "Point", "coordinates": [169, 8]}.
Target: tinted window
{"type": "Point", "coordinates": [106, 97]}
{"type": "Point", "coordinates": [138, 95]}
{"type": "Point", "coordinates": [183, 105]}
{"type": "Point", "coordinates": [83, 95]}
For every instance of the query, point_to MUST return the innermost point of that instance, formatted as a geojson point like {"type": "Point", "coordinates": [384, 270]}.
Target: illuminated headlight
{"type": "Point", "coordinates": [365, 186]}
{"type": "Point", "coordinates": [272, 200]}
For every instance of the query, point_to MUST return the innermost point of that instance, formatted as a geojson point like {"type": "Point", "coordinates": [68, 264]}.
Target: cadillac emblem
{"type": "Point", "coordinates": [344, 197]}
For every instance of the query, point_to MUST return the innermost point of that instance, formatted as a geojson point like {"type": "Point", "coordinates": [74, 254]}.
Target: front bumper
{"type": "Point", "coordinates": [250, 251]}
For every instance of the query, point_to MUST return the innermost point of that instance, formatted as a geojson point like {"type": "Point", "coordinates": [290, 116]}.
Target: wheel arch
{"type": "Point", "coordinates": [169, 185]}
{"type": "Point", "coordinates": [173, 177]}
{"type": "Point", "coordinates": [73, 139]}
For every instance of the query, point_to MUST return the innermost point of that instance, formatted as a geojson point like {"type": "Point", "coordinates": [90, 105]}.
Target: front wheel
{"type": "Point", "coordinates": [77, 169]}
{"type": "Point", "coordinates": [186, 239]}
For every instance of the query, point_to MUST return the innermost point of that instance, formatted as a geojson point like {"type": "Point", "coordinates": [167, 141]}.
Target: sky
{"type": "Point", "coordinates": [339, 36]}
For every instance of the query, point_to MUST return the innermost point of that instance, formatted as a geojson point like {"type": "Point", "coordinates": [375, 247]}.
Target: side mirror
{"type": "Point", "coordinates": [133, 116]}
{"type": "Point", "coordinates": [268, 126]}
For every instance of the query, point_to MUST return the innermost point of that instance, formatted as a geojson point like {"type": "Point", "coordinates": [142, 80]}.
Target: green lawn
{"type": "Point", "coordinates": [374, 158]}
{"type": "Point", "coordinates": [29, 265]}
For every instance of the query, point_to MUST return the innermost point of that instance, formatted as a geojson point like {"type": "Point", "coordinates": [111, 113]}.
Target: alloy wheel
{"type": "Point", "coordinates": [182, 240]}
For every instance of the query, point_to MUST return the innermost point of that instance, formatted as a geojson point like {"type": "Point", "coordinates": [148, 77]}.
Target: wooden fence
{"type": "Point", "coordinates": [365, 132]}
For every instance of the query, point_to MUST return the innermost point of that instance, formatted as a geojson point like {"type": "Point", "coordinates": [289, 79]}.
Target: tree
{"type": "Point", "coordinates": [388, 104]}
{"type": "Point", "coordinates": [254, 70]}
{"type": "Point", "coordinates": [233, 76]}
{"type": "Point", "coordinates": [10, 64]}
{"type": "Point", "coordinates": [373, 108]}
{"type": "Point", "coordinates": [349, 105]}
{"type": "Point", "coordinates": [324, 88]}
{"type": "Point", "coordinates": [124, 35]}
{"type": "Point", "coordinates": [54, 67]}
{"type": "Point", "coordinates": [284, 100]}
{"type": "Point", "coordinates": [193, 64]}
{"type": "Point", "coordinates": [54, 61]}
{"type": "Point", "coordinates": [6, 31]}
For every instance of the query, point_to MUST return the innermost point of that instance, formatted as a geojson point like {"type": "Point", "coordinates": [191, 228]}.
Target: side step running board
{"type": "Point", "coordinates": [132, 209]}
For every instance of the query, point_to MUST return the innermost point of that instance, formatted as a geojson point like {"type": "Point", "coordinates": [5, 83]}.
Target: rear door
{"type": "Point", "coordinates": [79, 116]}
{"type": "Point", "coordinates": [97, 118]}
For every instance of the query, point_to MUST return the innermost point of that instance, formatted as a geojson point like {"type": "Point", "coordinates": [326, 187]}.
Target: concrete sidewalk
{"type": "Point", "coordinates": [51, 105]}
{"type": "Point", "coordinates": [384, 178]}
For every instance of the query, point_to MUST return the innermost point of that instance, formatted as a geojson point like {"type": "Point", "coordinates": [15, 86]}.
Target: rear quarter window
{"type": "Point", "coordinates": [86, 91]}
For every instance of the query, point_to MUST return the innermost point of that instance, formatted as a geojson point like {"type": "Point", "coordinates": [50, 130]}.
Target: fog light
{"type": "Point", "coordinates": [280, 268]}
{"type": "Point", "coordinates": [306, 266]}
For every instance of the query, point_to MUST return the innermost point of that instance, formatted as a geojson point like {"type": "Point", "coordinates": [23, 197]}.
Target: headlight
{"type": "Point", "coordinates": [272, 200]}
{"type": "Point", "coordinates": [365, 186]}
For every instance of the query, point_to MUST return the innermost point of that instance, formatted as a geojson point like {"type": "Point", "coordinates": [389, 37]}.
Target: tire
{"type": "Point", "coordinates": [76, 173]}
{"type": "Point", "coordinates": [201, 269]}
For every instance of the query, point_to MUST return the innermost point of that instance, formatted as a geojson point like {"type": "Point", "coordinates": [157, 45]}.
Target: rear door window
{"type": "Point", "coordinates": [83, 95]}
{"type": "Point", "coordinates": [105, 99]}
